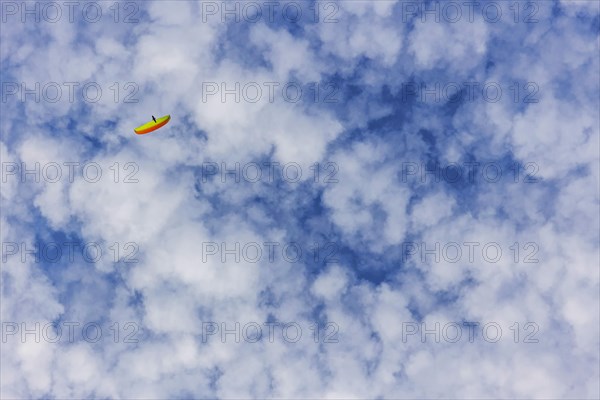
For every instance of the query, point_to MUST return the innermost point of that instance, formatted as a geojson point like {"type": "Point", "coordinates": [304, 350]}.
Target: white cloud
{"type": "Point", "coordinates": [171, 212]}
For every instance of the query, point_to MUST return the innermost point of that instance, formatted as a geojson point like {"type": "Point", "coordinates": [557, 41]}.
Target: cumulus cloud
{"type": "Point", "coordinates": [372, 274]}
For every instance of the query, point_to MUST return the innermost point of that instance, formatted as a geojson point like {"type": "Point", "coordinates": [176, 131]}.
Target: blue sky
{"type": "Point", "coordinates": [200, 223]}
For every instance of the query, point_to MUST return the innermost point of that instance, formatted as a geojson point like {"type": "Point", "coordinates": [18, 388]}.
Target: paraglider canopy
{"type": "Point", "coordinates": [152, 125]}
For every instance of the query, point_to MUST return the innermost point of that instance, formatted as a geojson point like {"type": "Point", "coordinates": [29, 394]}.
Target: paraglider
{"type": "Point", "coordinates": [152, 125]}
